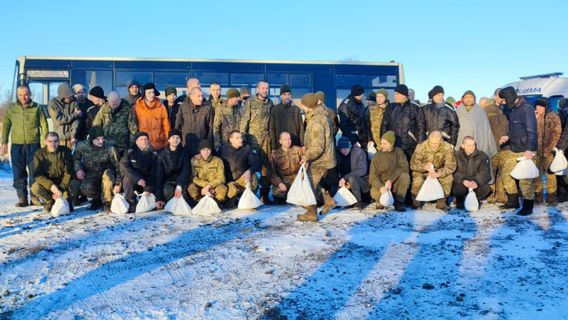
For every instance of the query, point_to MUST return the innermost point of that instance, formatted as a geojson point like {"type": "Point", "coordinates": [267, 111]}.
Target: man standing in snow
{"type": "Point", "coordinates": [286, 116]}
{"type": "Point", "coordinates": [441, 116]}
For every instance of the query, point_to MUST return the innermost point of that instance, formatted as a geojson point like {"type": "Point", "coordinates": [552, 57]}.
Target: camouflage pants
{"type": "Point", "coordinates": [195, 192]}
{"type": "Point", "coordinates": [287, 181]}
{"type": "Point", "coordinates": [316, 175]}
{"type": "Point", "coordinates": [526, 185]}
{"type": "Point", "coordinates": [543, 163]}
{"type": "Point", "coordinates": [94, 186]}
{"type": "Point", "coordinates": [43, 192]}
{"type": "Point", "coordinates": [418, 179]}
{"type": "Point", "coordinates": [236, 188]}
{"type": "Point", "coordinates": [497, 188]}
{"type": "Point", "coordinates": [399, 188]}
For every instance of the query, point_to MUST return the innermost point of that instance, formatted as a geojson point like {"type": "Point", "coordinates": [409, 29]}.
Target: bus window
{"type": "Point", "coordinates": [382, 81]}
{"type": "Point", "coordinates": [39, 92]}
{"type": "Point", "coordinates": [165, 79]}
{"type": "Point", "coordinates": [53, 89]}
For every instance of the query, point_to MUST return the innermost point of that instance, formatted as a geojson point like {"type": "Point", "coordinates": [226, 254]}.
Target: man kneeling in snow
{"type": "Point", "coordinates": [241, 165]}
{"type": "Point", "coordinates": [284, 166]}
{"type": "Point", "coordinates": [353, 169]}
{"type": "Point", "coordinates": [473, 171]}
{"type": "Point", "coordinates": [138, 169]}
{"type": "Point", "coordinates": [389, 171]}
{"type": "Point", "coordinates": [433, 158]}
{"type": "Point", "coordinates": [208, 175]}
{"type": "Point", "coordinates": [53, 168]}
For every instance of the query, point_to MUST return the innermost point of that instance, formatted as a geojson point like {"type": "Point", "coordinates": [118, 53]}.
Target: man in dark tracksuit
{"type": "Point", "coordinates": [172, 170]}
{"type": "Point", "coordinates": [137, 168]}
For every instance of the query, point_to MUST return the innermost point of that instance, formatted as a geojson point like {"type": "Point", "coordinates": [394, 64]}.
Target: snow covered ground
{"type": "Point", "coordinates": [263, 264]}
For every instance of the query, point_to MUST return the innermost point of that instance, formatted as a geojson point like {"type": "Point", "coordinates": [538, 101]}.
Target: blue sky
{"type": "Point", "coordinates": [476, 45]}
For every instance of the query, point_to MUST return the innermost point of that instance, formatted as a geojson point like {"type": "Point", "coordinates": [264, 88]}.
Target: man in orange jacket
{"type": "Point", "coordinates": [152, 116]}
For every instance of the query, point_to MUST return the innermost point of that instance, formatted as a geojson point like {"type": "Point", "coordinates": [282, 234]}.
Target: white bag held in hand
{"type": "Point", "coordinates": [146, 203]}
{"type": "Point", "coordinates": [525, 169]}
{"type": "Point", "coordinates": [344, 198]}
{"type": "Point", "coordinates": [206, 206]}
{"type": "Point", "coordinates": [178, 207]}
{"type": "Point", "coordinates": [431, 190]}
{"type": "Point", "coordinates": [249, 200]}
{"type": "Point", "coordinates": [371, 150]}
{"type": "Point", "coordinates": [60, 207]}
{"type": "Point", "coordinates": [301, 193]}
{"type": "Point", "coordinates": [559, 163]}
{"type": "Point", "coordinates": [386, 199]}
{"type": "Point", "coordinates": [471, 203]}
{"type": "Point", "coordinates": [119, 204]}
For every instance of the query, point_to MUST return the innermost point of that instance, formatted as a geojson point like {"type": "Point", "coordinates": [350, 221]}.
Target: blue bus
{"type": "Point", "coordinates": [44, 74]}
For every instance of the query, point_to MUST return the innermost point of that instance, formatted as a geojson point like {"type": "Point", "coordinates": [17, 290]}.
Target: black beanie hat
{"type": "Point", "coordinates": [95, 132]}
{"type": "Point", "coordinates": [174, 132]}
{"type": "Point", "coordinates": [510, 95]}
{"type": "Point", "coordinates": [372, 96]}
{"type": "Point", "coordinates": [205, 144]}
{"type": "Point", "coordinates": [357, 90]}
{"type": "Point", "coordinates": [435, 91]}
{"type": "Point", "coordinates": [543, 102]}
{"type": "Point", "coordinates": [140, 134]}
{"type": "Point", "coordinates": [285, 89]}
{"type": "Point", "coordinates": [402, 89]}
{"type": "Point", "coordinates": [97, 92]}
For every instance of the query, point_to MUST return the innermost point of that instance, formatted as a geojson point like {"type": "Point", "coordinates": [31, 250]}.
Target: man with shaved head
{"type": "Point", "coordinates": [433, 158]}
{"type": "Point", "coordinates": [190, 84]}
{"type": "Point", "coordinates": [118, 121]}
{"type": "Point", "coordinates": [195, 121]}
{"type": "Point", "coordinates": [284, 165]}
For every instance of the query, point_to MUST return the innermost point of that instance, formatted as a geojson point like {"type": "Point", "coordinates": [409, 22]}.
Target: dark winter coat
{"type": "Point", "coordinates": [195, 124]}
{"type": "Point", "coordinates": [475, 166]}
{"type": "Point", "coordinates": [172, 166]}
{"type": "Point", "coordinates": [407, 122]}
{"type": "Point", "coordinates": [137, 164]}
{"type": "Point", "coordinates": [354, 164]}
{"type": "Point", "coordinates": [444, 118]}
{"type": "Point", "coordinates": [352, 120]}
{"type": "Point", "coordinates": [237, 161]}
{"type": "Point", "coordinates": [522, 127]}
{"type": "Point", "coordinates": [286, 117]}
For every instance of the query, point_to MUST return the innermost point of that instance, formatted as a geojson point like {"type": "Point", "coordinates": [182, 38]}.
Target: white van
{"type": "Point", "coordinates": [549, 85]}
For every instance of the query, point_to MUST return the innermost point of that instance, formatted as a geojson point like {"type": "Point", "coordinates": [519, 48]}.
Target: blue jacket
{"type": "Point", "coordinates": [522, 127]}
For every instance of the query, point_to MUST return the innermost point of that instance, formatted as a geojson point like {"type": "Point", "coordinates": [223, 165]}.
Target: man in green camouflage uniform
{"type": "Point", "coordinates": [227, 118]}
{"type": "Point", "coordinates": [255, 127]}
{"type": "Point", "coordinates": [433, 158]}
{"type": "Point", "coordinates": [215, 95]}
{"type": "Point", "coordinates": [319, 155]}
{"type": "Point", "coordinates": [118, 122]}
{"type": "Point", "coordinates": [53, 169]}
{"type": "Point", "coordinates": [97, 173]}
{"type": "Point", "coordinates": [208, 175]}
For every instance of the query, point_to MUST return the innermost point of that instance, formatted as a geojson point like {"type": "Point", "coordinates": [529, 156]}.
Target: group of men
{"type": "Point", "coordinates": [192, 146]}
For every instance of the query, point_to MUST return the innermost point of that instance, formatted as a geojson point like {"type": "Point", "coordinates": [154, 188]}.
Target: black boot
{"type": "Point", "coordinates": [460, 202]}
{"type": "Point", "coordinates": [23, 202]}
{"type": "Point", "coordinates": [96, 204]}
{"type": "Point", "coordinates": [442, 204]}
{"type": "Point", "coordinates": [538, 198]}
{"type": "Point", "coordinates": [551, 199]}
{"type": "Point", "coordinates": [399, 204]}
{"type": "Point", "coordinates": [512, 202]}
{"type": "Point", "coordinates": [527, 208]}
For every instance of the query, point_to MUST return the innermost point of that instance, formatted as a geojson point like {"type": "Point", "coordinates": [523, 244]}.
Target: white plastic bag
{"type": "Point", "coordinates": [178, 207]}
{"type": "Point", "coordinates": [249, 200]}
{"type": "Point", "coordinates": [386, 199]}
{"type": "Point", "coordinates": [60, 207]}
{"type": "Point", "coordinates": [431, 190]}
{"type": "Point", "coordinates": [344, 198]}
{"type": "Point", "coordinates": [119, 204]}
{"type": "Point", "coordinates": [525, 169]}
{"type": "Point", "coordinates": [559, 163]}
{"type": "Point", "coordinates": [146, 203]}
{"type": "Point", "coordinates": [301, 193]}
{"type": "Point", "coordinates": [371, 150]}
{"type": "Point", "coordinates": [206, 206]}
{"type": "Point", "coordinates": [471, 203]}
